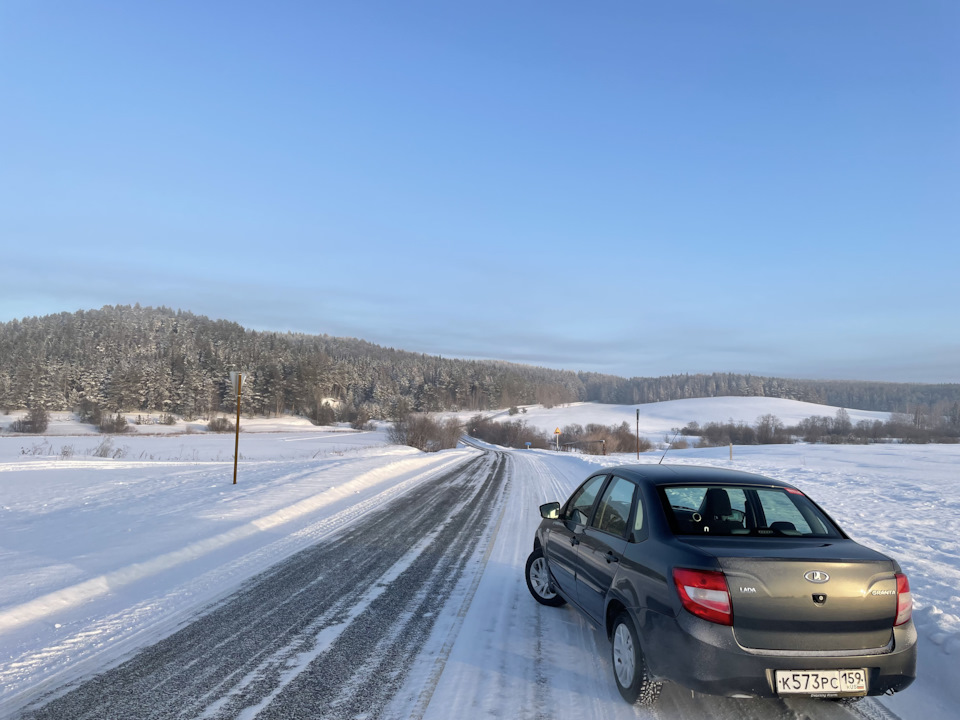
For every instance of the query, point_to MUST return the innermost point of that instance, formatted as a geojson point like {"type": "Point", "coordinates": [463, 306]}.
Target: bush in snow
{"type": "Point", "coordinates": [424, 433]}
{"type": "Point", "coordinates": [322, 414]}
{"type": "Point", "coordinates": [514, 433]}
{"type": "Point", "coordinates": [114, 424]}
{"type": "Point", "coordinates": [36, 421]}
{"type": "Point", "coordinates": [362, 420]}
{"type": "Point", "coordinates": [220, 424]}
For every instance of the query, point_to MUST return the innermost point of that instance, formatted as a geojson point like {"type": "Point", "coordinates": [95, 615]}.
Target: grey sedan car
{"type": "Point", "coordinates": [725, 582]}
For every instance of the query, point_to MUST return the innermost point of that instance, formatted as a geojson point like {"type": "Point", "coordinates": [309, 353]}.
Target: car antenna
{"type": "Point", "coordinates": [669, 446]}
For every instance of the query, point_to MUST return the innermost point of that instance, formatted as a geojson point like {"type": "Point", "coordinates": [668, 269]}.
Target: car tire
{"type": "Point", "coordinates": [629, 665]}
{"type": "Point", "coordinates": [539, 582]}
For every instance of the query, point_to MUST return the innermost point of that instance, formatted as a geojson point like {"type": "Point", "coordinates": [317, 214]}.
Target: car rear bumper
{"type": "Point", "coordinates": [705, 657]}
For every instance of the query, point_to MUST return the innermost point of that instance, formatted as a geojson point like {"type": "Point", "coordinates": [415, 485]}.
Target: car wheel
{"type": "Point", "coordinates": [629, 665]}
{"type": "Point", "coordinates": [539, 581]}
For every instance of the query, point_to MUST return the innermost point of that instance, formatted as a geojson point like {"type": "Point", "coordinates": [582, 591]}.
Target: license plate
{"type": "Point", "coordinates": [821, 682]}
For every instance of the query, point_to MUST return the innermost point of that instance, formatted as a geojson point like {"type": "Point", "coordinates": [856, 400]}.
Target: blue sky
{"type": "Point", "coordinates": [630, 187]}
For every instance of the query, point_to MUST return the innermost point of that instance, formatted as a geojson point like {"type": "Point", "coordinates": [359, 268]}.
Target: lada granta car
{"type": "Point", "coordinates": [725, 582]}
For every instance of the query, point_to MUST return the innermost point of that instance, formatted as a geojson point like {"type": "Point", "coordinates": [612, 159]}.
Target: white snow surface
{"type": "Point", "coordinates": [103, 555]}
{"type": "Point", "coordinates": [660, 419]}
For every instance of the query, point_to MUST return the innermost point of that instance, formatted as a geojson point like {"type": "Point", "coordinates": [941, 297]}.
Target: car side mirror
{"type": "Point", "coordinates": [550, 511]}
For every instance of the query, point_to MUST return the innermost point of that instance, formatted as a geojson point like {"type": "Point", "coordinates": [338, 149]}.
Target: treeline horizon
{"type": "Point", "coordinates": [131, 359]}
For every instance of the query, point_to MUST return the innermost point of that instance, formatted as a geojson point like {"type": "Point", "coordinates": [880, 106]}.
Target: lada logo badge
{"type": "Point", "coordinates": [816, 576]}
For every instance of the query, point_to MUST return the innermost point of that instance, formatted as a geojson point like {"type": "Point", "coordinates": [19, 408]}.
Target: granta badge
{"type": "Point", "coordinates": [816, 576]}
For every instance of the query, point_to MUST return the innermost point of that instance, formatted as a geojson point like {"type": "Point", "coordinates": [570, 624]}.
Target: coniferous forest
{"type": "Point", "coordinates": [128, 359]}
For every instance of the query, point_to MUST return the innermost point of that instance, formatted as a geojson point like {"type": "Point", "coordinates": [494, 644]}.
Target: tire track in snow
{"type": "Point", "coordinates": [320, 612]}
{"type": "Point", "coordinates": [495, 669]}
{"type": "Point", "coordinates": [371, 685]}
{"type": "Point", "coordinates": [426, 693]}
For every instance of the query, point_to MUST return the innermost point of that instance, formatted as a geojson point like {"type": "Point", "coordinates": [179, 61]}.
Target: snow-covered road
{"type": "Point", "coordinates": [415, 608]}
{"type": "Point", "coordinates": [331, 632]}
{"type": "Point", "coordinates": [104, 558]}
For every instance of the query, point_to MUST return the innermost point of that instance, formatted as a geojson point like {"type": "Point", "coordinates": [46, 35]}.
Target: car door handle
{"type": "Point", "coordinates": [611, 557]}
{"type": "Point", "coordinates": [574, 540]}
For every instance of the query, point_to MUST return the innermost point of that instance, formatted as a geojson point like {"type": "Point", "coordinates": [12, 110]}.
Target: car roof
{"type": "Point", "coordinates": [692, 474]}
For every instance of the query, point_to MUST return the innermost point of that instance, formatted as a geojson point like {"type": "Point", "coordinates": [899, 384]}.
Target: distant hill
{"type": "Point", "coordinates": [122, 358]}
{"type": "Point", "coordinates": [661, 419]}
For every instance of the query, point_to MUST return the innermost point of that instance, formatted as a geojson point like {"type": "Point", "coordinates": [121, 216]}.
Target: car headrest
{"type": "Point", "coordinates": [716, 503]}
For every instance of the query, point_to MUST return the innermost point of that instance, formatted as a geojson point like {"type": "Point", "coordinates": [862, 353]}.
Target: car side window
{"type": "Point", "coordinates": [638, 519]}
{"type": "Point", "coordinates": [578, 507]}
{"type": "Point", "coordinates": [614, 508]}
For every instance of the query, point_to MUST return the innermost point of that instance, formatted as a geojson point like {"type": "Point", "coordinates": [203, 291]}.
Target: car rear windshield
{"type": "Point", "coordinates": [744, 510]}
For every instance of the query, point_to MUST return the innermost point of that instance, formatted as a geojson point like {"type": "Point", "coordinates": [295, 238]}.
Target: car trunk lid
{"type": "Point", "coordinates": [808, 596]}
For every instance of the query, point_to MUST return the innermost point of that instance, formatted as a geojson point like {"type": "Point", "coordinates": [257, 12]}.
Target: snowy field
{"type": "Point", "coordinates": [65, 425]}
{"type": "Point", "coordinates": [103, 555]}
{"type": "Point", "coordinates": [659, 419]}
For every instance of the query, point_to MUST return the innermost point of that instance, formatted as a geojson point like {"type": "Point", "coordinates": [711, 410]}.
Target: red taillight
{"type": "Point", "coordinates": [704, 593]}
{"type": "Point", "coordinates": [904, 600]}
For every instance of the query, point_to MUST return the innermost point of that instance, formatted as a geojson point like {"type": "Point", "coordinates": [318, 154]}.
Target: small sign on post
{"type": "Point", "coordinates": [236, 382]}
{"type": "Point", "coordinates": [557, 433]}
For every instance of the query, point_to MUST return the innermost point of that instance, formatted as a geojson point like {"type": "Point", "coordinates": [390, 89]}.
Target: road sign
{"type": "Point", "coordinates": [236, 381]}
{"type": "Point", "coordinates": [557, 431]}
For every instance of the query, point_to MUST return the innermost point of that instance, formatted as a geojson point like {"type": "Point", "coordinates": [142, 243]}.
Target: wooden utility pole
{"type": "Point", "coordinates": [638, 433]}
{"type": "Point", "coordinates": [238, 382]}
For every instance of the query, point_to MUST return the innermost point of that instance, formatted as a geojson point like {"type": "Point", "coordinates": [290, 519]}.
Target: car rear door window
{"type": "Point", "coordinates": [613, 511]}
